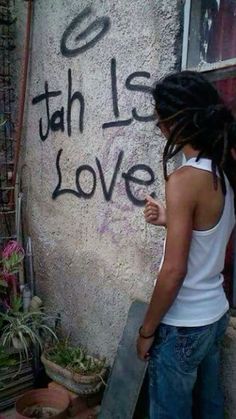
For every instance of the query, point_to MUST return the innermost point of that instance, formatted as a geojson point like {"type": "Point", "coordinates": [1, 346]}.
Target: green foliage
{"type": "Point", "coordinates": [16, 304]}
{"type": "Point", "coordinates": [3, 287]}
{"type": "Point", "coordinates": [3, 120]}
{"type": "Point", "coordinates": [75, 359]}
{"type": "Point", "coordinates": [3, 283]}
{"type": "Point", "coordinates": [6, 360]}
{"type": "Point", "coordinates": [12, 263]}
{"type": "Point", "coordinates": [12, 256]}
{"type": "Point", "coordinates": [22, 330]}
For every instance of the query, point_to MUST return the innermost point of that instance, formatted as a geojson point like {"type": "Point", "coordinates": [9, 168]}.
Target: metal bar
{"type": "Point", "coordinates": [7, 188]}
{"type": "Point", "coordinates": [22, 93]}
{"type": "Point", "coordinates": [7, 138]}
{"type": "Point", "coordinates": [18, 217]}
{"type": "Point", "coordinates": [187, 10]}
{"type": "Point", "coordinates": [7, 238]}
{"type": "Point", "coordinates": [223, 74]}
{"type": "Point", "coordinates": [30, 268]}
{"type": "Point", "coordinates": [203, 66]}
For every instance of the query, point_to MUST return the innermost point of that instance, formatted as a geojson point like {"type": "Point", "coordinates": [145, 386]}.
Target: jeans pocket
{"type": "Point", "coordinates": [191, 346]}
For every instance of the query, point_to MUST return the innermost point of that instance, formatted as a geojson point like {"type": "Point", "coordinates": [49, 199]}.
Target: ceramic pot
{"type": "Point", "coordinates": [82, 385]}
{"type": "Point", "coordinates": [40, 399]}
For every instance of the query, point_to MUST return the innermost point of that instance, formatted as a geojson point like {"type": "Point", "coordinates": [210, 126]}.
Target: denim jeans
{"type": "Point", "coordinates": [180, 358]}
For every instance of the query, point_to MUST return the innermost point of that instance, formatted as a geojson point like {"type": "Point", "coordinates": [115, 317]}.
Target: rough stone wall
{"type": "Point", "coordinates": [93, 251]}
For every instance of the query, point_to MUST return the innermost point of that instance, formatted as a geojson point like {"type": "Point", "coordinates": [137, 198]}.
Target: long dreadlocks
{"type": "Point", "coordinates": [190, 104]}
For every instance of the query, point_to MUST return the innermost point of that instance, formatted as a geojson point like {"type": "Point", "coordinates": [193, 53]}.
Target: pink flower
{"type": "Point", "coordinates": [12, 282]}
{"type": "Point", "coordinates": [13, 247]}
{"type": "Point", "coordinates": [9, 278]}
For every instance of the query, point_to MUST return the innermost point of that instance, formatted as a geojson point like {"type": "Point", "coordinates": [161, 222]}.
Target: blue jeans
{"type": "Point", "coordinates": [181, 357]}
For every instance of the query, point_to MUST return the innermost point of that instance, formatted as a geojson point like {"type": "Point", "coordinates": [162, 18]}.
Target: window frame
{"type": "Point", "coordinates": [201, 66]}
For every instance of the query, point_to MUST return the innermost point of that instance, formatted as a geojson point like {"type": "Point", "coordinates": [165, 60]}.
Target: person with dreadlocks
{"type": "Point", "coordinates": [188, 313]}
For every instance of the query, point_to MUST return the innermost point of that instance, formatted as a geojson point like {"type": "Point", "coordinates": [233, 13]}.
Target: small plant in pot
{"type": "Point", "coordinates": [22, 330]}
{"type": "Point", "coordinates": [18, 329]}
{"type": "Point", "coordinates": [74, 368]}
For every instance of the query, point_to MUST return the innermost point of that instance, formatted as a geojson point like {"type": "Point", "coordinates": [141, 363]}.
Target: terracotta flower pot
{"type": "Point", "coordinates": [41, 400]}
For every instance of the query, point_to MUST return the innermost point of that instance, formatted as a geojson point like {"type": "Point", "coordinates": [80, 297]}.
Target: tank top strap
{"type": "Point", "coordinates": [203, 164]}
{"type": "Point", "coordinates": [206, 164]}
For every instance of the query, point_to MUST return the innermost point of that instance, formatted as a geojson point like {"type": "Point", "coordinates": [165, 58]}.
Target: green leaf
{"type": "Point", "coordinates": [3, 283]}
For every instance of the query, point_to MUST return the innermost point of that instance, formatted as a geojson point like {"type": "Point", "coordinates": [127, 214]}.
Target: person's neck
{"type": "Point", "coordinates": [189, 152]}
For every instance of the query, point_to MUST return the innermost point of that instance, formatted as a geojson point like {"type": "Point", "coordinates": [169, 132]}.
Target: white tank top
{"type": "Point", "coordinates": [201, 299]}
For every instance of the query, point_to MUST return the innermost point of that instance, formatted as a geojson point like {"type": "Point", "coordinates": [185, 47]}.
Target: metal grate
{"type": "Point", "coordinates": [15, 380]}
{"type": "Point", "coordinates": [7, 97]}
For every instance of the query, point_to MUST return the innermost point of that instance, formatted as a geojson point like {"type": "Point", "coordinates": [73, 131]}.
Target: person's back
{"type": "Point", "coordinates": [188, 312]}
{"type": "Point", "coordinates": [201, 299]}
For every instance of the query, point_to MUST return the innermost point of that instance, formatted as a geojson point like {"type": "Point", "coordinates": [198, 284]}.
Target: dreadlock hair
{"type": "Point", "coordinates": [192, 106]}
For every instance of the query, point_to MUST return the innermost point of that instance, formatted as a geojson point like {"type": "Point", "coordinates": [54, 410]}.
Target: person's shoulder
{"type": "Point", "coordinates": [182, 182]}
{"type": "Point", "coordinates": [184, 174]}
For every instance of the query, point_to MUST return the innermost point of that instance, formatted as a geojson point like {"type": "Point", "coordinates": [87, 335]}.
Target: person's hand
{"type": "Point", "coordinates": [143, 348]}
{"type": "Point", "coordinates": [154, 212]}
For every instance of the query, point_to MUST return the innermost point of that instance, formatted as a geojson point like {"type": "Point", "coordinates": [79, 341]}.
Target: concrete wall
{"type": "Point", "coordinates": [93, 251]}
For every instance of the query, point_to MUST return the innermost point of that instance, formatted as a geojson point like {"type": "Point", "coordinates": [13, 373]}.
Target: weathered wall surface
{"type": "Point", "coordinates": [88, 134]}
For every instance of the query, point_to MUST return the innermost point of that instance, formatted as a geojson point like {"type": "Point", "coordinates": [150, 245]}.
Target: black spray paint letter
{"type": "Point", "coordinates": [140, 88]}
{"type": "Point", "coordinates": [100, 26]}
{"type": "Point", "coordinates": [56, 121]}
{"type": "Point", "coordinates": [45, 96]}
{"type": "Point", "coordinates": [129, 177]}
{"type": "Point", "coordinates": [107, 191]}
{"type": "Point", "coordinates": [135, 87]}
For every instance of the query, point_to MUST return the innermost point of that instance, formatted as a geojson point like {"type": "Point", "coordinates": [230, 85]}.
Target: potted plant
{"type": "Point", "coordinates": [74, 368]}
{"type": "Point", "coordinates": [43, 403]}
{"type": "Point", "coordinates": [21, 330]}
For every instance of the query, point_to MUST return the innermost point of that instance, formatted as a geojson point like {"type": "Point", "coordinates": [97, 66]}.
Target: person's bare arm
{"type": "Point", "coordinates": [181, 204]}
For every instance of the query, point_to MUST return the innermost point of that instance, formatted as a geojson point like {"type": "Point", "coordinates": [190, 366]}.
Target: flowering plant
{"type": "Point", "coordinates": [12, 257]}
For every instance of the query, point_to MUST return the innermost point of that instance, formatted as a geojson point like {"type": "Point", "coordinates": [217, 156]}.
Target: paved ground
{"type": "Point", "coordinates": [8, 414]}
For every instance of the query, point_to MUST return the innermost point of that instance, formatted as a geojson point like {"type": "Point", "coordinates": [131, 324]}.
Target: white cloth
{"type": "Point", "coordinates": [201, 299]}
